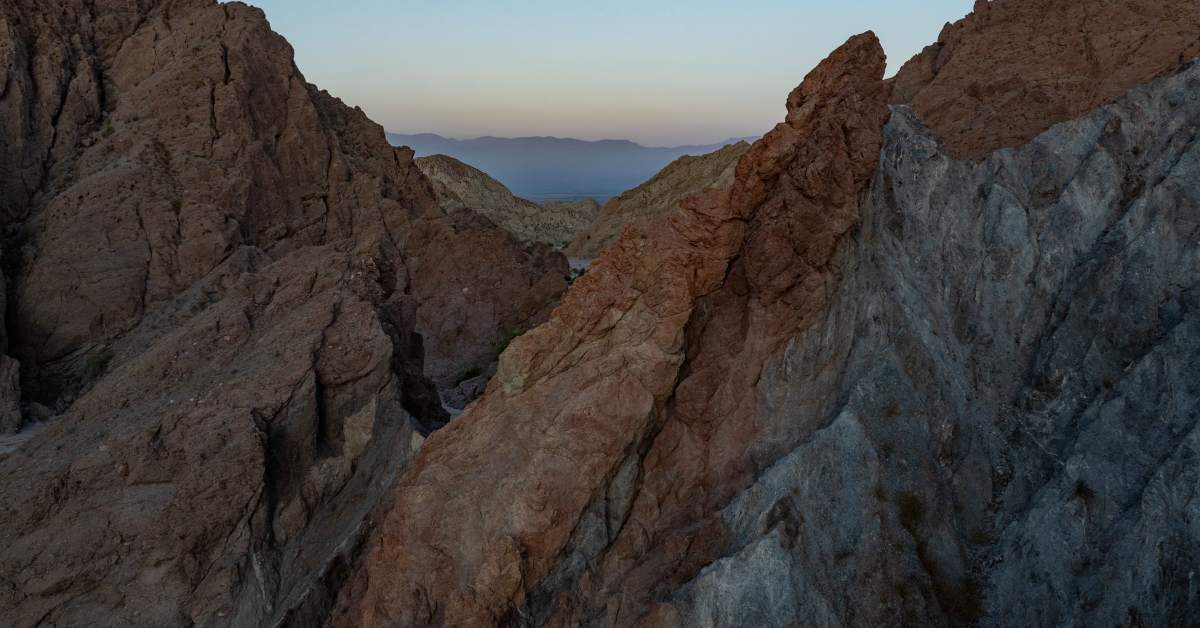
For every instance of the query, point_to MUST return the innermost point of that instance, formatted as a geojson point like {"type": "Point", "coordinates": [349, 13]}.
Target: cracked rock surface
{"type": "Point", "coordinates": [231, 302]}
{"type": "Point", "coordinates": [872, 383]}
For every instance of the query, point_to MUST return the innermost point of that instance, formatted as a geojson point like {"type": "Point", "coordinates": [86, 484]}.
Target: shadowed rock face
{"type": "Point", "coordinates": [221, 277]}
{"type": "Point", "coordinates": [1013, 68]}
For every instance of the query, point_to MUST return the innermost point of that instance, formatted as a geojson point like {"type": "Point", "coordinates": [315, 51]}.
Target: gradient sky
{"type": "Point", "coordinates": [656, 72]}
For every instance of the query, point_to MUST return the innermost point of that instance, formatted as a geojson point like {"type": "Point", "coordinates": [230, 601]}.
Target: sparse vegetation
{"type": "Point", "coordinates": [910, 509]}
{"type": "Point", "coordinates": [470, 373]}
{"type": "Point", "coordinates": [1083, 491]}
{"type": "Point", "coordinates": [575, 274]}
{"type": "Point", "coordinates": [964, 602]}
{"type": "Point", "coordinates": [97, 363]}
{"type": "Point", "coordinates": [508, 335]}
{"type": "Point", "coordinates": [980, 537]}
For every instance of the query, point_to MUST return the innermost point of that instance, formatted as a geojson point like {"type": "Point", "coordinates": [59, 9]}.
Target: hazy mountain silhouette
{"type": "Point", "coordinates": [542, 168]}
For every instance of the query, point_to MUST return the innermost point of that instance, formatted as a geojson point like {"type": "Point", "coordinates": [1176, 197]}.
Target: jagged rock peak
{"type": "Point", "coordinates": [574, 398]}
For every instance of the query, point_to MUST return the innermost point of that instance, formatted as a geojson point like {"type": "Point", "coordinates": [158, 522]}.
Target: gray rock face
{"type": "Point", "coordinates": [997, 421]}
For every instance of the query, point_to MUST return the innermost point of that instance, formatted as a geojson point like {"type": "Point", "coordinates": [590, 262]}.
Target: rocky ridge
{"type": "Point", "coordinates": [929, 364]}
{"type": "Point", "coordinates": [657, 197]}
{"type": "Point", "coordinates": [578, 401]}
{"type": "Point", "coordinates": [462, 187]}
{"type": "Point", "coordinates": [227, 295]}
{"type": "Point", "coordinates": [871, 384]}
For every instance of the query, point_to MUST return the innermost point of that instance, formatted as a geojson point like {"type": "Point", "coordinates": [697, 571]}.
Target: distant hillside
{"type": "Point", "coordinates": [461, 187]}
{"type": "Point", "coordinates": [658, 197]}
{"type": "Point", "coordinates": [551, 168]}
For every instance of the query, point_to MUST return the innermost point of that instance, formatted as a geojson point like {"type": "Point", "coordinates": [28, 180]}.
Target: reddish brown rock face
{"type": "Point", "coordinates": [221, 275]}
{"type": "Point", "coordinates": [663, 335]}
{"type": "Point", "coordinates": [1013, 68]}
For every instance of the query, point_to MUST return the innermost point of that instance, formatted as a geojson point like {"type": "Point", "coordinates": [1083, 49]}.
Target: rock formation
{"type": "Point", "coordinates": [1013, 68]}
{"type": "Point", "coordinates": [658, 197]}
{"type": "Point", "coordinates": [927, 363]}
{"type": "Point", "coordinates": [461, 187]}
{"type": "Point", "coordinates": [596, 403]}
{"type": "Point", "coordinates": [224, 286]}
{"type": "Point", "coordinates": [584, 213]}
{"type": "Point", "coordinates": [869, 384]}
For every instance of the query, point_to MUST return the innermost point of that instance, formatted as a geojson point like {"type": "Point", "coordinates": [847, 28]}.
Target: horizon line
{"type": "Point", "coordinates": [727, 140]}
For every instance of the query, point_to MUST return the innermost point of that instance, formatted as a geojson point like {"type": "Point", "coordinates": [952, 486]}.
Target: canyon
{"type": "Point", "coordinates": [922, 355]}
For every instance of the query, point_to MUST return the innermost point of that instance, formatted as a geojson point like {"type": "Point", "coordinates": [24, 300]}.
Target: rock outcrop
{"type": "Point", "coordinates": [658, 197]}
{"type": "Point", "coordinates": [462, 187]}
{"type": "Point", "coordinates": [593, 404]}
{"type": "Point", "coordinates": [930, 363]}
{"type": "Point", "coordinates": [872, 383]}
{"type": "Point", "coordinates": [1013, 68]}
{"type": "Point", "coordinates": [225, 284]}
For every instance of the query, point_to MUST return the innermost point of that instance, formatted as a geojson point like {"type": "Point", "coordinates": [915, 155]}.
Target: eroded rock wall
{"type": "Point", "coordinates": [872, 384]}
{"type": "Point", "coordinates": [602, 381]}
{"type": "Point", "coordinates": [221, 276]}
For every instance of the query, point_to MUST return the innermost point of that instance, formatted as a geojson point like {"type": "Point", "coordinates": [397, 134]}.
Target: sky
{"type": "Point", "coordinates": [661, 73]}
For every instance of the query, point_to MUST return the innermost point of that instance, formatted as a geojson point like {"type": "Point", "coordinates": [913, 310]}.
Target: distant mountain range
{"type": "Point", "coordinates": [552, 168]}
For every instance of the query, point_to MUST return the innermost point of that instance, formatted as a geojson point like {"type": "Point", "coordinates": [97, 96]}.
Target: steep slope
{"type": "Point", "coordinates": [658, 197]}
{"type": "Point", "coordinates": [461, 187]}
{"type": "Point", "coordinates": [577, 401]}
{"type": "Point", "coordinates": [223, 283]}
{"type": "Point", "coordinates": [870, 384]}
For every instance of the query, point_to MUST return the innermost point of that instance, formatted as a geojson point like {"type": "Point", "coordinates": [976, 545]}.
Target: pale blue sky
{"type": "Point", "coordinates": [657, 72]}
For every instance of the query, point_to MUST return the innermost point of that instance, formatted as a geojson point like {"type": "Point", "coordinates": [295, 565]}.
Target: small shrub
{"type": "Point", "coordinates": [1083, 491]}
{"type": "Point", "coordinates": [508, 335]}
{"type": "Point", "coordinates": [107, 131]}
{"type": "Point", "coordinates": [964, 602]}
{"type": "Point", "coordinates": [97, 363]}
{"type": "Point", "coordinates": [980, 537]}
{"type": "Point", "coordinates": [470, 373]}
{"type": "Point", "coordinates": [910, 509]}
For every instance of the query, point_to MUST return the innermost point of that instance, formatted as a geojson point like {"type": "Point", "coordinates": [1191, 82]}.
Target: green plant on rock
{"type": "Point", "coordinates": [980, 537]}
{"type": "Point", "coordinates": [97, 363]}
{"type": "Point", "coordinates": [910, 509]}
{"type": "Point", "coordinates": [470, 373]}
{"type": "Point", "coordinates": [507, 335]}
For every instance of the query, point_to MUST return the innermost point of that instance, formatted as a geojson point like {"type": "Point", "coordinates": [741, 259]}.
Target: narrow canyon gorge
{"type": "Point", "coordinates": [925, 354]}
